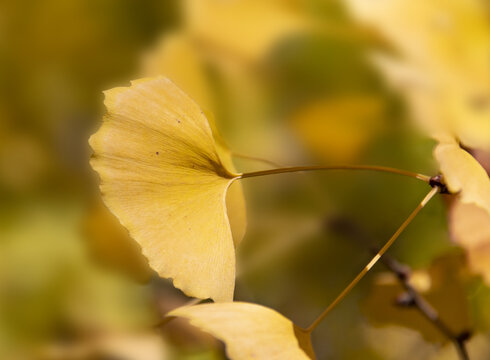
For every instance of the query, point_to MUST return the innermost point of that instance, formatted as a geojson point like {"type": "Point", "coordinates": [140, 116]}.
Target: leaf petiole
{"type": "Point", "coordinates": [293, 169]}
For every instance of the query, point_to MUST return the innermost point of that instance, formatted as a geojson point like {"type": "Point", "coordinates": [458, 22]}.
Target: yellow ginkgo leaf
{"type": "Point", "coordinates": [177, 57]}
{"type": "Point", "coordinates": [470, 228]}
{"type": "Point", "coordinates": [443, 36]}
{"type": "Point", "coordinates": [243, 28]}
{"type": "Point", "coordinates": [162, 177]}
{"type": "Point", "coordinates": [424, 98]}
{"type": "Point", "coordinates": [462, 173]}
{"type": "Point", "coordinates": [468, 107]}
{"type": "Point", "coordinates": [112, 345]}
{"type": "Point", "coordinates": [443, 109]}
{"type": "Point", "coordinates": [250, 331]}
{"type": "Point", "coordinates": [443, 50]}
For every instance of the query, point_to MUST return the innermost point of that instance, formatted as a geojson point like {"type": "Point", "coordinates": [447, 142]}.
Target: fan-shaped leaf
{"type": "Point", "coordinates": [162, 176]}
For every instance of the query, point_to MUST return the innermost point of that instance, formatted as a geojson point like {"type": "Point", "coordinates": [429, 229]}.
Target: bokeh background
{"type": "Point", "coordinates": [287, 80]}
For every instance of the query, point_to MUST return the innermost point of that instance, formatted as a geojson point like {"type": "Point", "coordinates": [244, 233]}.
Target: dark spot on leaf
{"type": "Point", "coordinates": [157, 153]}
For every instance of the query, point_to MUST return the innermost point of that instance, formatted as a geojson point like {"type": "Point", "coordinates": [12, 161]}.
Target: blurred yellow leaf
{"type": "Point", "coordinates": [444, 35]}
{"type": "Point", "coordinates": [468, 107]}
{"type": "Point", "coordinates": [250, 331]}
{"type": "Point", "coordinates": [443, 70]}
{"type": "Point", "coordinates": [426, 103]}
{"type": "Point", "coordinates": [244, 28]}
{"type": "Point", "coordinates": [339, 129]}
{"type": "Point", "coordinates": [444, 73]}
{"type": "Point", "coordinates": [470, 228]}
{"type": "Point", "coordinates": [177, 57]}
{"type": "Point", "coordinates": [162, 176]}
{"type": "Point", "coordinates": [464, 174]}
{"type": "Point", "coordinates": [443, 57]}
{"type": "Point", "coordinates": [110, 244]}
{"type": "Point", "coordinates": [130, 346]}
{"type": "Point", "coordinates": [148, 346]}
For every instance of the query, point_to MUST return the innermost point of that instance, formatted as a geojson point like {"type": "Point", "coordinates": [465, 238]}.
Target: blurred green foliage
{"type": "Point", "coordinates": [56, 58]}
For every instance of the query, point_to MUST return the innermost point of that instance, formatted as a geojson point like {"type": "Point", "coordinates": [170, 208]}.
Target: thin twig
{"type": "Point", "coordinates": [402, 273]}
{"type": "Point", "coordinates": [426, 309]}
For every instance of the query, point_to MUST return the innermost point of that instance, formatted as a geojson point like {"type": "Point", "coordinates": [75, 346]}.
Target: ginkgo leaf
{"type": "Point", "coordinates": [127, 346]}
{"type": "Point", "coordinates": [443, 109]}
{"type": "Point", "coordinates": [470, 228]}
{"type": "Point", "coordinates": [162, 177]}
{"type": "Point", "coordinates": [421, 94]}
{"type": "Point", "coordinates": [148, 346]}
{"type": "Point", "coordinates": [462, 173]}
{"type": "Point", "coordinates": [244, 28]}
{"type": "Point", "coordinates": [469, 110]}
{"type": "Point", "coordinates": [447, 46]}
{"type": "Point", "coordinates": [440, 35]}
{"type": "Point", "coordinates": [177, 57]}
{"type": "Point", "coordinates": [250, 331]}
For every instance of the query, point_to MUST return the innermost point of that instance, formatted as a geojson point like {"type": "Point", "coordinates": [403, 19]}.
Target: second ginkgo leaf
{"type": "Point", "coordinates": [250, 331]}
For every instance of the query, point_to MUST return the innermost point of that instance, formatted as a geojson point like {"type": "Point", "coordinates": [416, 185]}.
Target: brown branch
{"type": "Point", "coordinates": [416, 300]}
{"type": "Point", "coordinates": [413, 299]}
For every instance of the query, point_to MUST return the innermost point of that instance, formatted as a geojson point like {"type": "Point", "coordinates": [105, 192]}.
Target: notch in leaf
{"type": "Point", "coordinates": [161, 175]}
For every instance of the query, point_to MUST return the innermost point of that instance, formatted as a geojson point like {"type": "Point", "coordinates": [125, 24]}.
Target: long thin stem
{"type": "Point", "coordinates": [374, 260]}
{"type": "Point", "coordinates": [422, 177]}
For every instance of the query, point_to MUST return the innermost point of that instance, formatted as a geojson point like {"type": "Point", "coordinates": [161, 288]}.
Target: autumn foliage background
{"type": "Point", "coordinates": [291, 81]}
